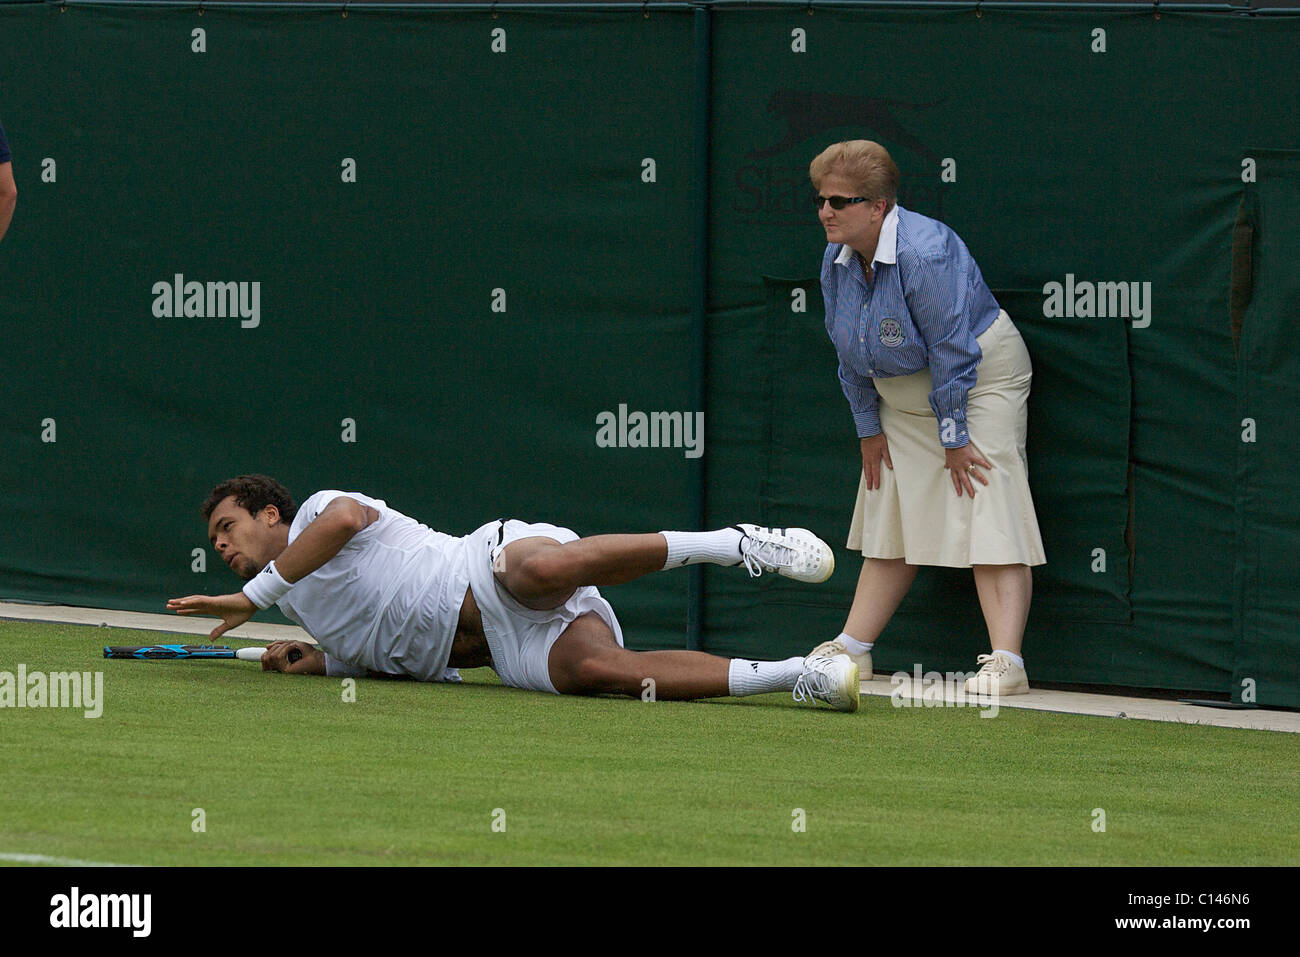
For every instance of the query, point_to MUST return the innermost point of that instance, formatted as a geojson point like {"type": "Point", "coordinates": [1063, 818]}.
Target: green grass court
{"type": "Point", "coordinates": [287, 773]}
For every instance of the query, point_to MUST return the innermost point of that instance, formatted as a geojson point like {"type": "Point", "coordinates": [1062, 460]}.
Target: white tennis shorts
{"type": "Point", "coordinates": [520, 638]}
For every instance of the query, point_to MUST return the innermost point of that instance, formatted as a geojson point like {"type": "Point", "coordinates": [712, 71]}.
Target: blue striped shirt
{"type": "Point", "coordinates": [924, 307]}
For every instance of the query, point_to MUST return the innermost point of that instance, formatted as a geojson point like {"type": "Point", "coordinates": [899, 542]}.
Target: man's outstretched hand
{"type": "Point", "coordinates": [233, 610]}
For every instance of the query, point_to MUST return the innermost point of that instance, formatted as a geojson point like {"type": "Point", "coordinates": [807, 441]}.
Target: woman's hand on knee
{"type": "Point", "coordinates": [961, 465]}
{"type": "Point", "coordinates": [875, 449]}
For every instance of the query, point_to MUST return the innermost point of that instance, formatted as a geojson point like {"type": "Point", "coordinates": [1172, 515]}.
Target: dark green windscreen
{"type": "Point", "coordinates": [469, 328]}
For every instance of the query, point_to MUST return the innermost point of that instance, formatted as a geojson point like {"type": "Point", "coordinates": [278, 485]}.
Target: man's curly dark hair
{"type": "Point", "coordinates": [253, 493]}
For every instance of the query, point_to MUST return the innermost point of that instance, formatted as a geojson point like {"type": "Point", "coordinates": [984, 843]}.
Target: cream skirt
{"type": "Point", "coordinates": [916, 514]}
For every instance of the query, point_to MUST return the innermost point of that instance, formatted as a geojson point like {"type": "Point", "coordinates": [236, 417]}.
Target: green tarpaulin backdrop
{"type": "Point", "coordinates": [437, 250]}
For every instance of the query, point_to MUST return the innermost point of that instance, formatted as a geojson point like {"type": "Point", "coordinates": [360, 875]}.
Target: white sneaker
{"type": "Point", "coordinates": [829, 649]}
{"type": "Point", "coordinates": [999, 675]}
{"type": "Point", "coordinates": [833, 680]}
{"type": "Point", "coordinates": [793, 552]}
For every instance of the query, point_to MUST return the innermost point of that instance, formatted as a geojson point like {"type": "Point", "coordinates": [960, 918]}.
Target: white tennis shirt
{"type": "Point", "coordinates": [388, 601]}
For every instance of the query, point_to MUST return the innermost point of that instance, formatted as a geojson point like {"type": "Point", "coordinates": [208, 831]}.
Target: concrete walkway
{"type": "Point", "coordinates": [172, 624]}
{"type": "Point", "coordinates": [1074, 702]}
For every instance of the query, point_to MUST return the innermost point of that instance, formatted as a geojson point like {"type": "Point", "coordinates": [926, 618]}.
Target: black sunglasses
{"type": "Point", "coordinates": [838, 202]}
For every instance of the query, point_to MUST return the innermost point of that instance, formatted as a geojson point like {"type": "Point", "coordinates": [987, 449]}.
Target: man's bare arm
{"type": "Point", "coordinates": [310, 662]}
{"type": "Point", "coordinates": [324, 538]}
{"type": "Point", "coordinates": [320, 541]}
{"type": "Point", "coordinates": [8, 196]}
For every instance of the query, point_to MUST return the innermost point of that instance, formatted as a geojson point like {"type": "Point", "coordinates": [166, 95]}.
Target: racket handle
{"type": "Point", "coordinates": [250, 654]}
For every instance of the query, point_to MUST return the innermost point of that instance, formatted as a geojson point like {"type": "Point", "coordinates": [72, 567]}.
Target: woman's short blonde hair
{"type": "Point", "coordinates": [866, 164]}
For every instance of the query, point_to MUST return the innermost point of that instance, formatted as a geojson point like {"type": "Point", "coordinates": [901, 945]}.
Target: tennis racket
{"type": "Point", "coordinates": [151, 652]}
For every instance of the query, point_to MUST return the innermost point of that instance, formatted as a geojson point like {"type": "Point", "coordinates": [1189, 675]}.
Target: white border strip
{"type": "Point", "coordinates": [45, 861]}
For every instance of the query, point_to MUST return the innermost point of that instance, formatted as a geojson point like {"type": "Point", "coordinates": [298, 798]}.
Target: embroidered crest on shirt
{"type": "Point", "coordinates": [891, 332]}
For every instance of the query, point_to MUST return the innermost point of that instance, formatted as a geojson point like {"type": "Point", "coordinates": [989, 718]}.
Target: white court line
{"type": "Point", "coordinates": [55, 861]}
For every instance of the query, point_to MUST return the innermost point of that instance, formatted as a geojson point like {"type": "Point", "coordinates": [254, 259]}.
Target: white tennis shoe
{"type": "Point", "coordinates": [792, 552]}
{"type": "Point", "coordinates": [998, 675]}
{"type": "Point", "coordinates": [829, 649]}
{"type": "Point", "coordinates": [833, 680]}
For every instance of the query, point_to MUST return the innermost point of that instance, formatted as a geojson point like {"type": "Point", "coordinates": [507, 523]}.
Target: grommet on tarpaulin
{"type": "Point", "coordinates": [494, 9]}
{"type": "Point", "coordinates": [978, 12]}
{"type": "Point", "coordinates": [345, 8]}
{"type": "Point", "coordinates": [645, 9]}
{"type": "Point", "coordinates": [200, 7]}
{"type": "Point", "coordinates": [1156, 8]}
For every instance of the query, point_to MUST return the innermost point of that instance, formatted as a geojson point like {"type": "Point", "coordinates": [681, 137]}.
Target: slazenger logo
{"type": "Point", "coordinates": [809, 115]}
{"type": "Point", "coordinates": [75, 909]}
{"type": "Point", "coordinates": [1098, 300]}
{"type": "Point", "coordinates": [208, 300]}
{"type": "Point", "coordinates": [771, 187]}
{"type": "Point", "coordinates": [891, 332]}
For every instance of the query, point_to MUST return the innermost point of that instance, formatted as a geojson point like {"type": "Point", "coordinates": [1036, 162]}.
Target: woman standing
{"type": "Point", "coordinates": [937, 378]}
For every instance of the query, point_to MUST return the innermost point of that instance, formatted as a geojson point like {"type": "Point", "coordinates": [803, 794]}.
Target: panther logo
{"type": "Point", "coordinates": [807, 115]}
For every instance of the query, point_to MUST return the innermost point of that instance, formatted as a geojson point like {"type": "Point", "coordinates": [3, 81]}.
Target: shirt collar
{"type": "Point", "coordinates": [886, 244]}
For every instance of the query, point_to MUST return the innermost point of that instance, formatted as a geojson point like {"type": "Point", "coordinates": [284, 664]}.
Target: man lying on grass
{"type": "Point", "coordinates": [382, 593]}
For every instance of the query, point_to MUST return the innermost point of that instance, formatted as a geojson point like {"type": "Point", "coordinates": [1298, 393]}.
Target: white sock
{"type": "Point", "coordinates": [692, 548]}
{"type": "Point", "coordinates": [746, 677]}
{"type": "Point", "coordinates": [854, 646]}
{"type": "Point", "coordinates": [1020, 662]}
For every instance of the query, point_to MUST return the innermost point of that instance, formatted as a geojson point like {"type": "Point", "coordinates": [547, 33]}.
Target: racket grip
{"type": "Point", "coordinates": [250, 654]}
